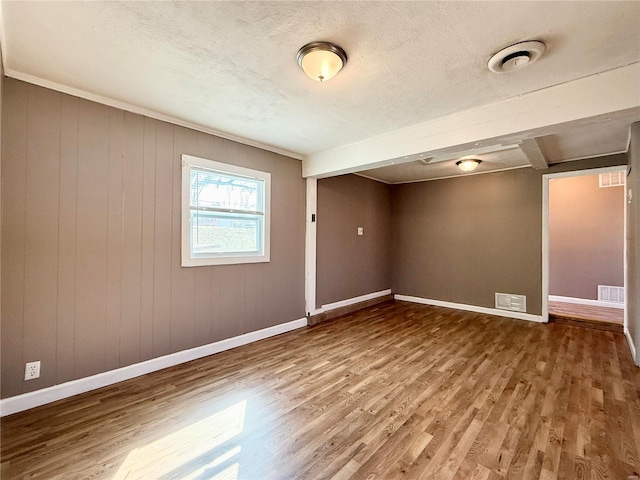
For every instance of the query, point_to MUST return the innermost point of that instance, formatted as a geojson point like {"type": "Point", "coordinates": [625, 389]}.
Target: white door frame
{"type": "Point", "coordinates": [545, 233]}
{"type": "Point", "coordinates": [310, 246]}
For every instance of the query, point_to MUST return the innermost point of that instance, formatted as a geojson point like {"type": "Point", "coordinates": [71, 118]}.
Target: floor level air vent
{"type": "Point", "coordinates": [507, 301]}
{"type": "Point", "coordinates": [607, 293]}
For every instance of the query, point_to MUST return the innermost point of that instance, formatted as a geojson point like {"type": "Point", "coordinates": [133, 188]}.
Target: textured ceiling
{"type": "Point", "coordinates": [231, 66]}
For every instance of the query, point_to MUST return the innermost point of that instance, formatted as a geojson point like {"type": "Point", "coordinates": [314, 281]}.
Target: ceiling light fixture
{"type": "Point", "coordinates": [321, 61]}
{"type": "Point", "coordinates": [468, 164]}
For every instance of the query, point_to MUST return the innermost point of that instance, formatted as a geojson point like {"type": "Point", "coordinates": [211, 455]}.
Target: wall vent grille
{"type": "Point", "coordinates": [612, 179]}
{"type": "Point", "coordinates": [508, 301]}
{"type": "Point", "coordinates": [607, 293]}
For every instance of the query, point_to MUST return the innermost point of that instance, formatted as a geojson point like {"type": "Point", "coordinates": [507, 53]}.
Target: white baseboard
{"type": "Point", "coordinates": [57, 392]}
{"type": "Point", "coordinates": [585, 301]}
{"type": "Point", "coordinates": [472, 308]}
{"type": "Point", "coordinates": [632, 347]}
{"type": "Point", "coordinates": [351, 301]}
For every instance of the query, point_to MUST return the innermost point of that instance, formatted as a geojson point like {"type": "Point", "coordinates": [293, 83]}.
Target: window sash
{"type": "Point", "coordinates": [258, 244]}
{"type": "Point", "coordinates": [227, 210]}
{"type": "Point", "coordinates": [223, 204]}
{"type": "Point", "coordinates": [211, 188]}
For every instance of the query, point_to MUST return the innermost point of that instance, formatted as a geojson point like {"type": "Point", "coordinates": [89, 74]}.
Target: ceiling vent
{"type": "Point", "coordinates": [516, 56]}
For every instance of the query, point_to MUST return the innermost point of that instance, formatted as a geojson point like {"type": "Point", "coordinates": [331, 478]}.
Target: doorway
{"type": "Point", "coordinates": [584, 251]}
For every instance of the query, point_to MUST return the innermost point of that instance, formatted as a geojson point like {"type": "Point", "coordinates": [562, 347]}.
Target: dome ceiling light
{"type": "Point", "coordinates": [321, 61]}
{"type": "Point", "coordinates": [468, 164]}
{"type": "Point", "coordinates": [517, 56]}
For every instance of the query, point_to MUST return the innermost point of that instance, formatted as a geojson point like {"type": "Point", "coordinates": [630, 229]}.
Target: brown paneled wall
{"type": "Point", "coordinates": [350, 265]}
{"type": "Point", "coordinates": [586, 236]}
{"type": "Point", "coordinates": [91, 271]}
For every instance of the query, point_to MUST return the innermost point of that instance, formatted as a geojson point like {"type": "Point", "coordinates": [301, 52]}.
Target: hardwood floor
{"type": "Point", "coordinates": [586, 316]}
{"type": "Point", "coordinates": [603, 314]}
{"type": "Point", "coordinates": [397, 390]}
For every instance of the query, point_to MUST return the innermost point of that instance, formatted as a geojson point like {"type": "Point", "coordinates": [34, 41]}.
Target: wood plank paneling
{"type": "Point", "coordinates": [393, 391]}
{"type": "Point", "coordinates": [92, 239]}
{"type": "Point", "coordinates": [284, 207]}
{"type": "Point", "coordinates": [14, 183]}
{"type": "Point", "coordinates": [254, 300]}
{"type": "Point", "coordinates": [229, 284]}
{"type": "Point", "coordinates": [66, 314]}
{"type": "Point", "coordinates": [113, 292]}
{"type": "Point", "coordinates": [163, 224]}
{"type": "Point", "coordinates": [41, 233]}
{"type": "Point", "coordinates": [148, 238]}
{"type": "Point", "coordinates": [182, 285]}
{"type": "Point", "coordinates": [91, 214]}
{"type": "Point", "coordinates": [132, 222]}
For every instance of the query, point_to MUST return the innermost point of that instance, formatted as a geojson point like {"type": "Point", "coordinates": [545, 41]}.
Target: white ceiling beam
{"type": "Point", "coordinates": [522, 117]}
{"type": "Point", "coordinates": [474, 151]}
{"type": "Point", "coordinates": [534, 155]}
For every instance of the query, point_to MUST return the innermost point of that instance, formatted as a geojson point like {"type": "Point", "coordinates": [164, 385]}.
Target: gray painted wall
{"type": "Point", "coordinates": [463, 239]}
{"type": "Point", "coordinates": [633, 240]}
{"type": "Point", "coordinates": [1, 106]}
{"type": "Point", "coordinates": [586, 236]}
{"type": "Point", "coordinates": [91, 241]}
{"type": "Point", "coordinates": [349, 265]}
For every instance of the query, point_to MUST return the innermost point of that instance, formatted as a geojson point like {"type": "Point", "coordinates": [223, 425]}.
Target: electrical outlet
{"type": "Point", "coordinates": [360, 230]}
{"type": "Point", "coordinates": [32, 370]}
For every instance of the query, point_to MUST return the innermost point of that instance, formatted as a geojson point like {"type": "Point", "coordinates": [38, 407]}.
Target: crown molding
{"type": "Point", "coordinates": [110, 102]}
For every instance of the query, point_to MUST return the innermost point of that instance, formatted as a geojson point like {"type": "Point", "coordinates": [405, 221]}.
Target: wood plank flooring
{"type": "Point", "coordinates": [397, 390]}
{"type": "Point", "coordinates": [586, 316]}
{"type": "Point", "coordinates": [603, 314]}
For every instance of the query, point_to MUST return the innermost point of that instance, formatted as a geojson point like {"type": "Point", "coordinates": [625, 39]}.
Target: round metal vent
{"type": "Point", "coordinates": [516, 56]}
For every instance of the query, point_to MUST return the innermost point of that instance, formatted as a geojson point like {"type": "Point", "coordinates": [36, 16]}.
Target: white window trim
{"type": "Point", "coordinates": [187, 260]}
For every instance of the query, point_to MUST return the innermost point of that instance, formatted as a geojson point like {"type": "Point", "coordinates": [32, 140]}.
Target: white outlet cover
{"type": "Point", "coordinates": [32, 370]}
{"type": "Point", "coordinates": [360, 230]}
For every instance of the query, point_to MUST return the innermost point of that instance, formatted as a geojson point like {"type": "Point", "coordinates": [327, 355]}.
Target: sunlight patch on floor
{"type": "Point", "coordinates": [230, 473]}
{"type": "Point", "coordinates": [174, 451]}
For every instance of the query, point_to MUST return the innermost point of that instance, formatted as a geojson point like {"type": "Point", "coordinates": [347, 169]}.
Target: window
{"type": "Point", "coordinates": [225, 213]}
